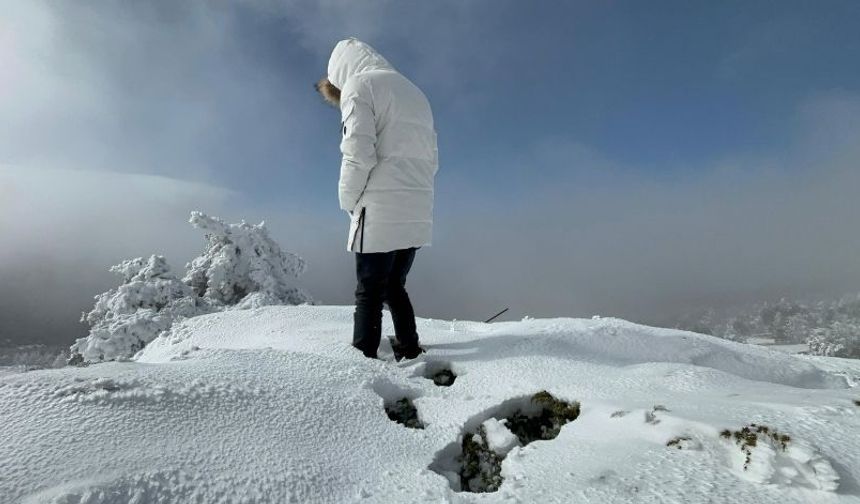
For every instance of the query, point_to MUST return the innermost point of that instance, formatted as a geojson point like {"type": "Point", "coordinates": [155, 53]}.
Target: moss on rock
{"type": "Point", "coordinates": [481, 467]}
{"type": "Point", "coordinates": [404, 412]}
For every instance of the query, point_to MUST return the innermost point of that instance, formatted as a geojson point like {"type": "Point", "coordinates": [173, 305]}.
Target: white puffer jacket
{"type": "Point", "coordinates": [389, 151]}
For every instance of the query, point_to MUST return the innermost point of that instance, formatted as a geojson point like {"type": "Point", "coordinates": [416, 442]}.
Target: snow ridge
{"type": "Point", "coordinates": [273, 405]}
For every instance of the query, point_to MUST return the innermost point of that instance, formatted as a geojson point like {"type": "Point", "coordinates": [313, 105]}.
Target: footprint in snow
{"type": "Point", "coordinates": [397, 403]}
{"type": "Point", "coordinates": [473, 463]}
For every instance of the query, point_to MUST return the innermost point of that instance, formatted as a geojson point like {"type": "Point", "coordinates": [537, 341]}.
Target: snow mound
{"type": "Point", "coordinates": [272, 404]}
{"type": "Point", "coordinates": [603, 341]}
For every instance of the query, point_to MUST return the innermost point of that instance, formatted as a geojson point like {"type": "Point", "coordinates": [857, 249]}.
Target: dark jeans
{"type": "Point", "coordinates": [382, 278]}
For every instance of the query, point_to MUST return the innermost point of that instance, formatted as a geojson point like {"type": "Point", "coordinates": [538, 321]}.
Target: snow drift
{"type": "Point", "coordinates": [273, 405]}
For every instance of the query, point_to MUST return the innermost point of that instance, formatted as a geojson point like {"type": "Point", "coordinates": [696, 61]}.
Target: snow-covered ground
{"type": "Point", "coordinates": [792, 348]}
{"type": "Point", "coordinates": [273, 405]}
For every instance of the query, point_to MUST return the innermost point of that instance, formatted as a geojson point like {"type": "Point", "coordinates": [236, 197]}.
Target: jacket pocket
{"type": "Point", "coordinates": [346, 111]}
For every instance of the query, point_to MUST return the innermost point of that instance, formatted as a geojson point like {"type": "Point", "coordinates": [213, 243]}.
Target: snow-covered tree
{"type": "Point", "coordinates": [797, 328]}
{"type": "Point", "coordinates": [128, 317]}
{"type": "Point", "coordinates": [840, 339]}
{"type": "Point", "coordinates": [241, 267]}
{"type": "Point", "coordinates": [242, 260]}
{"type": "Point", "coordinates": [734, 329]}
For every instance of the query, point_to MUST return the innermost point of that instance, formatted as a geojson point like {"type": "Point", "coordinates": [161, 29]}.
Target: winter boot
{"type": "Point", "coordinates": [402, 351]}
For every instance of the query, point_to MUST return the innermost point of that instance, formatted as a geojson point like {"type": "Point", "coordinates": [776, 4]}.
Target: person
{"type": "Point", "coordinates": [387, 171]}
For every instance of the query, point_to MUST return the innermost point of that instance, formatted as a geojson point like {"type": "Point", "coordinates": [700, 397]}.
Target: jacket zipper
{"type": "Point", "coordinates": [359, 224]}
{"type": "Point", "coordinates": [361, 218]}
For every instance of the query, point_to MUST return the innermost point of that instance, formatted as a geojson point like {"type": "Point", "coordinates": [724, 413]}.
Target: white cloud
{"type": "Point", "coordinates": [582, 235]}
{"type": "Point", "coordinates": [62, 229]}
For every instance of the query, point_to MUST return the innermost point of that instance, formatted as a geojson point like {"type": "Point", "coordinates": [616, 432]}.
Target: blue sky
{"type": "Point", "coordinates": [631, 158]}
{"type": "Point", "coordinates": [662, 88]}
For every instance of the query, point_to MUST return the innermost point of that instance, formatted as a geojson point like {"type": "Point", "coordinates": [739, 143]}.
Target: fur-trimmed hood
{"type": "Point", "coordinates": [350, 57]}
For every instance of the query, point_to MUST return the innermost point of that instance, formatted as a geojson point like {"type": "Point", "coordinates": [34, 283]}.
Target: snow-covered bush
{"type": "Point", "coordinates": [478, 465]}
{"type": "Point", "coordinates": [241, 259]}
{"type": "Point", "coordinates": [773, 458]}
{"type": "Point", "coordinates": [128, 317]}
{"type": "Point", "coordinates": [146, 284]}
{"type": "Point", "coordinates": [840, 339]}
{"type": "Point", "coordinates": [241, 267]}
{"type": "Point", "coordinates": [482, 466]}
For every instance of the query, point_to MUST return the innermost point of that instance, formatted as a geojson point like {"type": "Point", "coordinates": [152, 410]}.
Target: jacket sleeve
{"type": "Point", "coordinates": [358, 144]}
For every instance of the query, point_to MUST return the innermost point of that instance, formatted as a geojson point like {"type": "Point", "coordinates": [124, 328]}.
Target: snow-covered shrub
{"type": "Point", "coordinates": [546, 424]}
{"type": "Point", "coordinates": [840, 339]}
{"type": "Point", "coordinates": [770, 457]}
{"type": "Point", "coordinates": [241, 267]}
{"type": "Point", "coordinates": [146, 284]}
{"type": "Point", "coordinates": [478, 465]}
{"type": "Point", "coordinates": [242, 259]}
{"type": "Point", "coordinates": [482, 466]}
{"type": "Point", "coordinates": [128, 317]}
{"type": "Point", "coordinates": [748, 438]}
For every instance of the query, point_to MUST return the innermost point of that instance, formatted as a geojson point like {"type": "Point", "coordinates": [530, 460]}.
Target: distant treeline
{"type": "Point", "coordinates": [829, 327]}
{"type": "Point", "coordinates": [34, 356]}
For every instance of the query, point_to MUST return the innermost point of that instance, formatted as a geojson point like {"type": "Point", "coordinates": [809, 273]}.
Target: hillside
{"type": "Point", "coordinates": [273, 405]}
